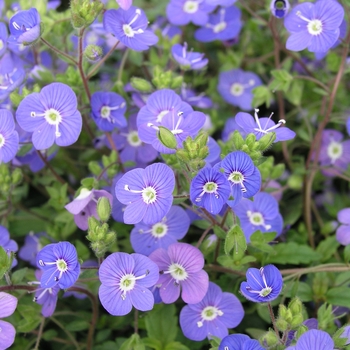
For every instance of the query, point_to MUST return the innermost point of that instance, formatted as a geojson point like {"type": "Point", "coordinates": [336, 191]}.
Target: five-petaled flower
{"type": "Point", "coordinates": [60, 264]}
{"type": "Point", "coordinates": [263, 285]}
{"type": "Point", "coordinates": [125, 281]}
{"type": "Point", "coordinates": [51, 116]}
{"type": "Point", "coordinates": [147, 193]}
{"type": "Point", "coordinates": [8, 136]}
{"type": "Point", "coordinates": [8, 304]}
{"type": "Point", "coordinates": [181, 266]}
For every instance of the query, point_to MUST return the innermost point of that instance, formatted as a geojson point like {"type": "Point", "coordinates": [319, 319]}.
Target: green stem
{"type": "Point", "coordinates": [273, 320]}
{"type": "Point", "coordinates": [80, 63]}
{"type": "Point", "coordinates": [69, 334]}
{"type": "Point", "coordinates": [102, 60]}
{"type": "Point", "coordinates": [40, 333]}
{"type": "Point", "coordinates": [59, 52]}
{"type": "Point", "coordinates": [122, 65]}
{"type": "Point", "coordinates": [202, 237]}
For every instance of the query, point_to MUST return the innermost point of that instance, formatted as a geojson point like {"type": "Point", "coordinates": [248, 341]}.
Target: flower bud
{"type": "Point", "coordinates": [16, 176]}
{"type": "Point", "coordinates": [167, 138]}
{"type": "Point", "coordinates": [296, 306]}
{"type": "Point", "coordinates": [104, 209]}
{"type": "Point", "coordinates": [296, 321]}
{"type": "Point", "coordinates": [270, 339]}
{"type": "Point", "coordinates": [300, 331]}
{"type": "Point", "coordinates": [279, 8]}
{"type": "Point", "coordinates": [282, 311]}
{"type": "Point", "coordinates": [295, 182]}
{"type": "Point", "coordinates": [282, 325]}
{"type": "Point", "coordinates": [141, 84]}
{"type": "Point", "coordinates": [93, 53]}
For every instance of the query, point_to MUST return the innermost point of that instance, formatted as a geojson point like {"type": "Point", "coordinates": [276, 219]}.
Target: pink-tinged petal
{"type": "Point", "coordinates": [114, 267]}
{"type": "Point", "coordinates": [195, 287]}
{"type": "Point", "coordinates": [80, 202]}
{"type": "Point", "coordinates": [124, 4]}
{"type": "Point", "coordinates": [7, 335]}
{"type": "Point", "coordinates": [8, 304]}
{"type": "Point", "coordinates": [29, 104]}
{"type": "Point", "coordinates": [343, 234]}
{"type": "Point", "coordinates": [169, 291]}
{"type": "Point", "coordinates": [141, 298]}
{"type": "Point", "coordinates": [344, 216]}
{"type": "Point", "coordinates": [191, 258]}
{"type": "Point", "coordinates": [60, 97]}
{"type": "Point", "coordinates": [299, 41]}
{"type": "Point", "coordinates": [70, 129]}
{"type": "Point", "coordinates": [44, 136]}
{"type": "Point", "coordinates": [161, 258]}
{"type": "Point", "coordinates": [135, 212]}
{"type": "Point", "coordinates": [111, 299]}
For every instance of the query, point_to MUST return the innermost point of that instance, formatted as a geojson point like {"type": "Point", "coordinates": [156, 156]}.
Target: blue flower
{"type": "Point", "coordinates": [25, 27]}
{"type": "Point", "coordinates": [188, 60]}
{"type": "Point", "coordinates": [235, 86]}
{"type": "Point", "coordinates": [314, 339]}
{"type": "Point", "coordinates": [130, 28]}
{"type": "Point", "coordinates": [147, 238]}
{"type": "Point", "coordinates": [60, 265]}
{"type": "Point", "coordinates": [212, 316]}
{"type": "Point", "coordinates": [3, 38]}
{"type": "Point", "coordinates": [181, 12]}
{"type": "Point", "coordinates": [239, 342]}
{"type": "Point", "coordinates": [191, 97]}
{"type": "Point", "coordinates": [9, 245]}
{"type": "Point", "coordinates": [314, 26]}
{"type": "Point", "coordinates": [223, 25]}
{"type": "Point", "coordinates": [261, 214]}
{"type": "Point", "coordinates": [107, 110]}
{"type": "Point", "coordinates": [8, 136]}
{"type": "Point", "coordinates": [147, 193]}
{"type": "Point", "coordinates": [279, 8]}
{"type": "Point", "coordinates": [263, 126]}
{"type": "Point", "coordinates": [51, 116]}
{"type": "Point", "coordinates": [243, 176]}
{"type": "Point", "coordinates": [210, 190]}
{"type": "Point", "coordinates": [263, 285]}
{"type": "Point", "coordinates": [224, 3]}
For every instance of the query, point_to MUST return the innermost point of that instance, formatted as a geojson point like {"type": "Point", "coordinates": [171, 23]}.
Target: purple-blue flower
{"type": "Point", "coordinates": [279, 8]}
{"type": "Point", "coordinates": [263, 126]}
{"type": "Point", "coordinates": [8, 304]}
{"type": "Point", "coordinates": [85, 205]}
{"type": "Point", "coordinates": [263, 285]}
{"type": "Point", "coordinates": [60, 265]}
{"type": "Point", "coordinates": [243, 176]}
{"type": "Point", "coordinates": [166, 29]}
{"type": "Point", "coordinates": [125, 281]}
{"type": "Point", "coordinates": [212, 316]}
{"type": "Point", "coordinates": [3, 38]}
{"type": "Point", "coordinates": [348, 125]}
{"type": "Point", "coordinates": [131, 148]}
{"type": "Point", "coordinates": [210, 189]}
{"type": "Point", "coordinates": [191, 97]}
{"type": "Point", "coordinates": [314, 339]}
{"type": "Point", "coordinates": [261, 214]}
{"type": "Point", "coordinates": [107, 110]}
{"type": "Point", "coordinates": [47, 297]}
{"type": "Point", "coordinates": [181, 12]}
{"type": "Point", "coordinates": [8, 136]}
{"type": "Point", "coordinates": [147, 193]}
{"type": "Point", "coordinates": [188, 59]}
{"type": "Point", "coordinates": [224, 3]}
{"type": "Point", "coordinates": [239, 342]}
{"type": "Point", "coordinates": [147, 238]}
{"type": "Point", "coordinates": [25, 27]}
{"type": "Point", "coordinates": [9, 245]}
{"type": "Point", "coordinates": [51, 116]}
{"type": "Point", "coordinates": [223, 25]}
{"type": "Point", "coordinates": [334, 152]}
{"type": "Point", "coordinates": [181, 269]}
{"type": "Point", "coordinates": [31, 248]}
{"type": "Point", "coordinates": [124, 4]}
{"type": "Point", "coordinates": [235, 87]}
{"type": "Point", "coordinates": [314, 26]}
{"type": "Point", "coordinates": [130, 28]}
{"type": "Point", "coordinates": [343, 231]}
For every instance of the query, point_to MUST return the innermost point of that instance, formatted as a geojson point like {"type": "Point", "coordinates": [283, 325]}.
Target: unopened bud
{"type": "Point", "coordinates": [270, 339]}
{"type": "Point", "coordinates": [166, 137]}
{"type": "Point", "coordinates": [104, 209]}
{"type": "Point", "coordinates": [141, 84]}
{"type": "Point", "coordinates": [93, 53]}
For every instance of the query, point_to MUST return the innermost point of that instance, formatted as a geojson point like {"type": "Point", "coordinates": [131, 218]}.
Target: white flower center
{"type": "Point", "coordinates": [1, 44]}
{"type": "Point", "coordinates": [53, 117]}
{"type": "Point", "coordinates": [128, 31]}
{"type": "Point", "coordinates": [161, 115]}
{"type": "Point", "coordinates": [177, 272]}
{"type": "Point", "coordinates": [314, 26]}
{"type": "Point", "coordinates": [210, 187]}
{"type": "Point", "coordinates": [2, 141]}
{"type": "Point", "coordinates": [236, 89]}
{"type": "Point", "coordinates": [219, 27]}
{"type": "Point", "coordinates": [209, 313]}
{"type": "Point", "coordinates": [265, 292]}
{"type": "Point", "coordinates": [133, 139]}
{"type": "Point", "coordinates": [61, 265]}
{"type": "Point", "coordinates": [159, 230]}
{"type": "Point", "coordinates": [149, 195]}
{"type": "Point", "coordinates": [237, 178]}
{"type": "Point", "coordinates": [257, 219]}
{"type": "Point", "coordinates": [127, 282]}
{"type": "Point", "coordinates": [191, 6]}
{"type": "Point", "coordinates": [105, 112]}
{"type": "Point", "coordinates": [334, 150]}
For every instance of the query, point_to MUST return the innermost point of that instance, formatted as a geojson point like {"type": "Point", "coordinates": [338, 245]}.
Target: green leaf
{"type": "Point", "coordinates": [300, 289]}
{"type": "Point", "coordinates": [5, 262]}
{"type": "Point", "coordinates": [339, 296]}
{"type": "Point", "coordinates": [176, 346]}
{"type": "Point", "coordinates": [235, 240]}
{"type": "Point", "coordinates": [327, 248]}
{"type": "Point", "coordinates": [133, 343]}
{"type": "Point", "coordinates": [220, 233]}
{"type": "Point", "coordinates": [152, 343]}
{"type": "Point", "coordinates": [282, 80]}
{"type": "Point", "coordinates": [262, 95]}
{"type": "Point", "coordinates": [295, 92]}
{"type": "Point", "coordinates": [293, 253]}
{"type": "Point", "coordinates": [76, 326]}
{"type": "Point", "coordinates": [161, 323]}
{"type": "Point", "coordinates": [17, 276]}
{"type": "Point", "coordinates": [260, 241]}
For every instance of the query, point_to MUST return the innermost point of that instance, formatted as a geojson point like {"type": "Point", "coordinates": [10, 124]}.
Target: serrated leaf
{"type": "Point", "coordinates": [338, 296]}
